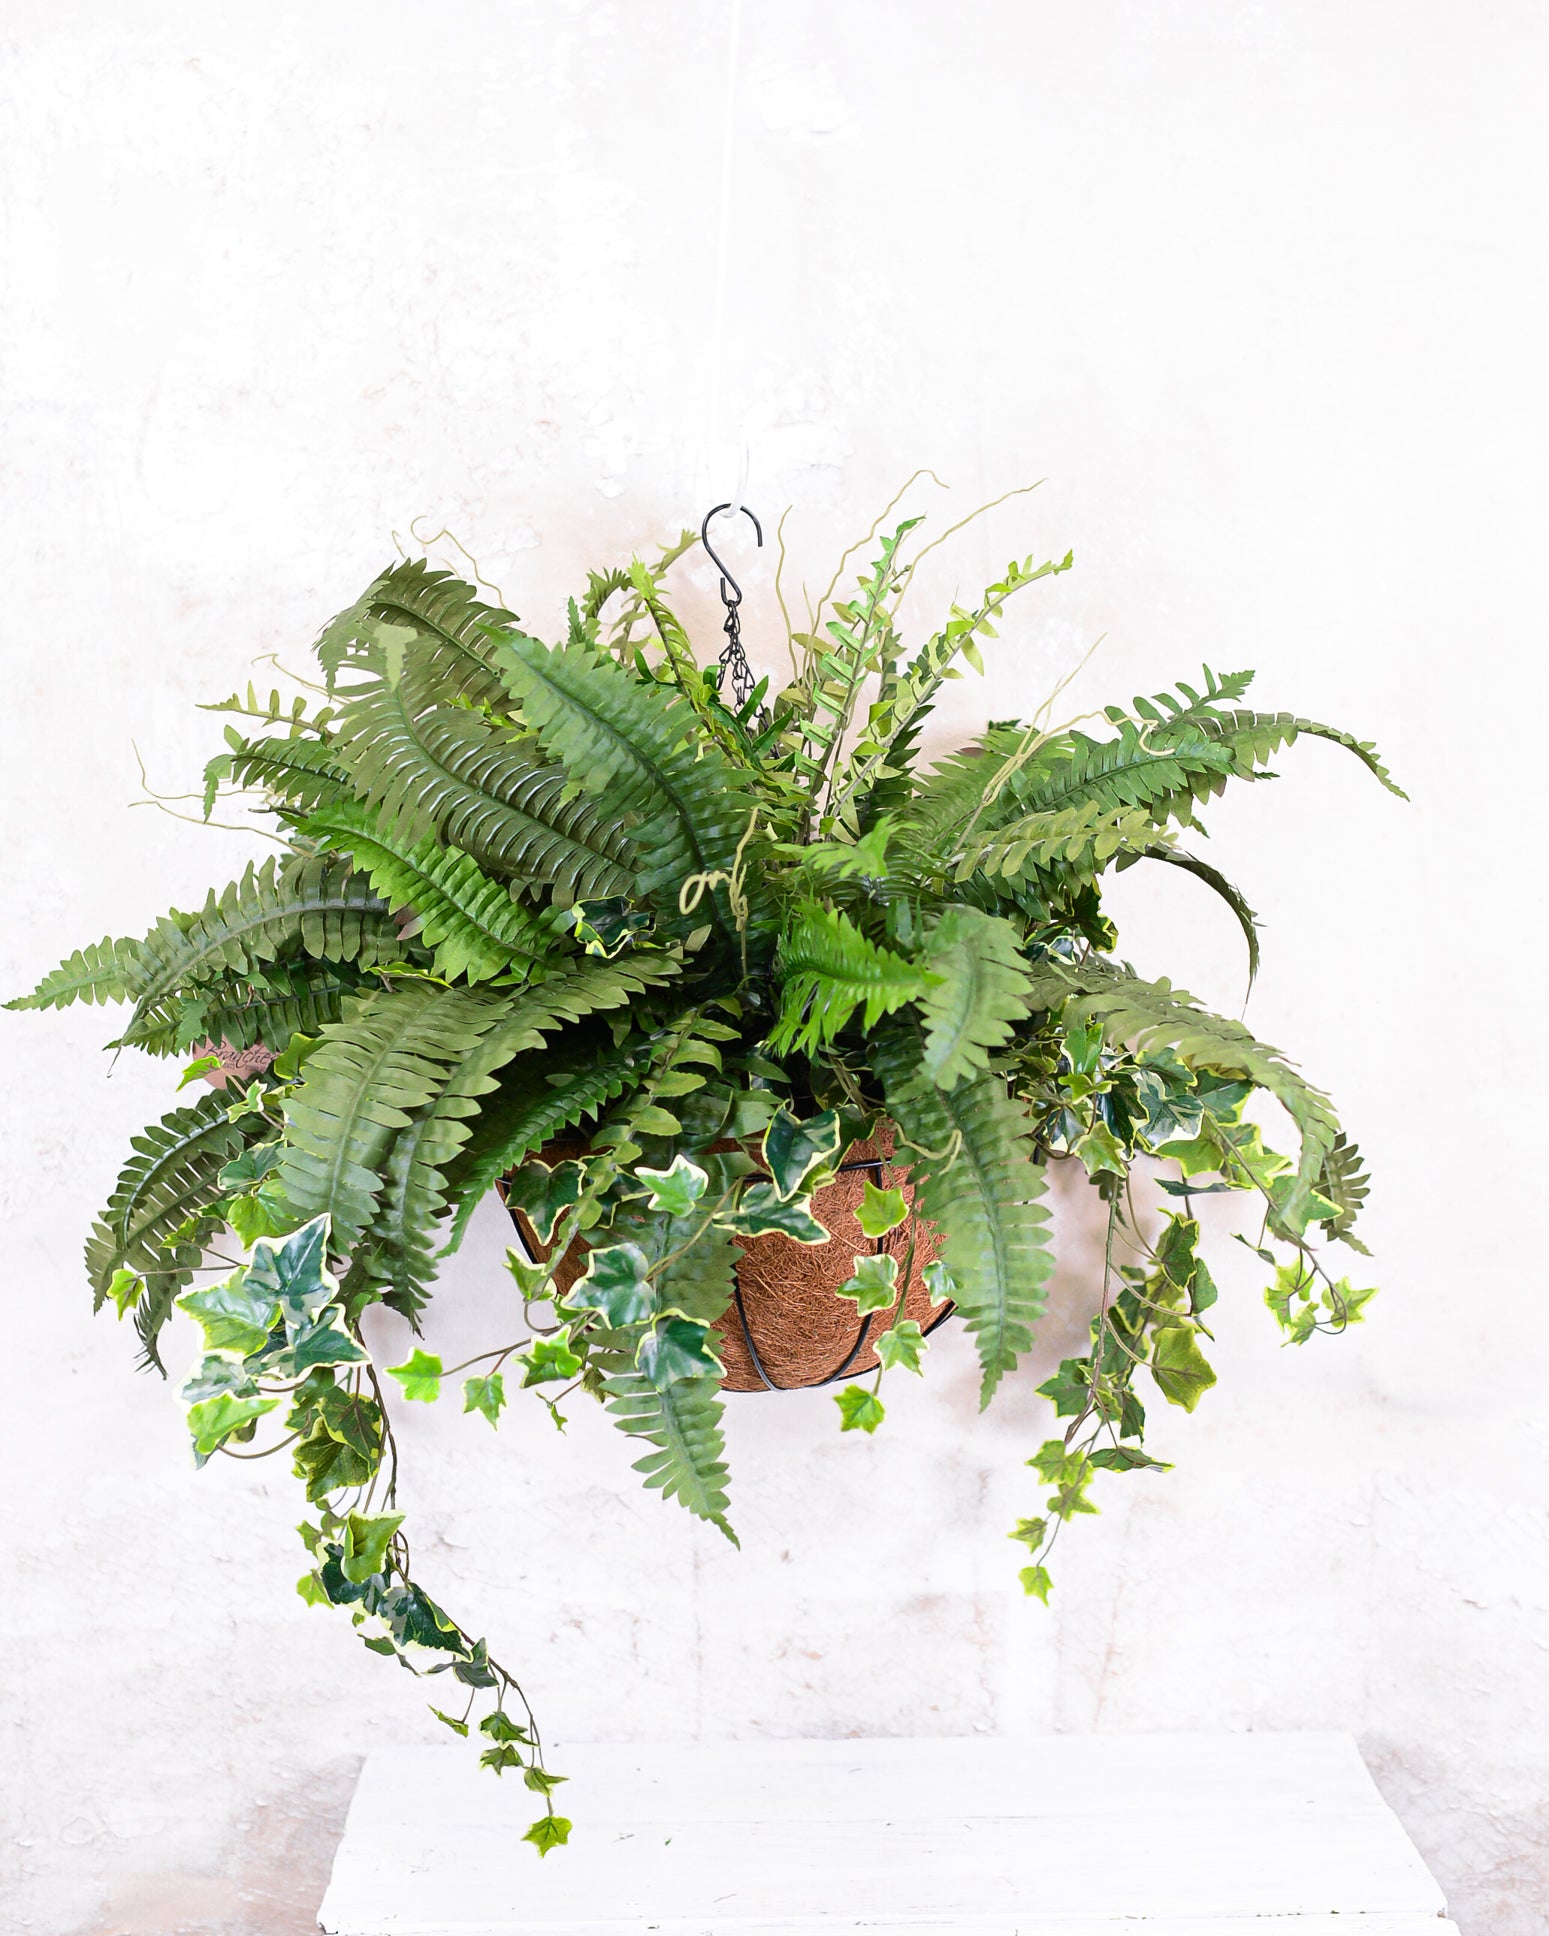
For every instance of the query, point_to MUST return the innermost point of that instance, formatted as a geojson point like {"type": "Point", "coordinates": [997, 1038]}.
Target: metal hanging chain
{"type": "Point", "coordinates": [733, 661]}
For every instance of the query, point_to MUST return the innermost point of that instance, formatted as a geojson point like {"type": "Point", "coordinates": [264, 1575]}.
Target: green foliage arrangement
{"type": "Point", "coordinates": [529, 889]}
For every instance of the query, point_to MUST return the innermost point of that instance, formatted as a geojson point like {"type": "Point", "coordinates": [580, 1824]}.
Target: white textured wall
{"type": "Point", "coordinates": [1258, 289]}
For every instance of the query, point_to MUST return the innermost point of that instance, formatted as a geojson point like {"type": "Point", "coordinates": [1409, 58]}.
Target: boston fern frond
{"type": "Point", "coordinates": [101, 973]}
{"type": "Point", "coordinates": [631, 745]}
{"type": "Point", "coordinates": [683, 1425]}
{"type": "Point", "coordinates": [310, 904]}
{"type": "Point", "coordinates": [558, 919]}
{"type": "Point", "coordinates": [162, 1210]}
{"type": "Point", "coordinates": [431, 768]}
{"type": "Point", "coordinates": [471, 922]}
{"type": "Point", "coordinates": [970, 1152]}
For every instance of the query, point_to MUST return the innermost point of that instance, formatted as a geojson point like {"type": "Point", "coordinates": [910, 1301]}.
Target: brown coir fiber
{"type": "Point", "coordinates": [802, 1332]}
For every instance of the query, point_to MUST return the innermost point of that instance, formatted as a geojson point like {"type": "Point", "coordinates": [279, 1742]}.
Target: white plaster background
{"type": "Point", "coordinates": [1259, 289]}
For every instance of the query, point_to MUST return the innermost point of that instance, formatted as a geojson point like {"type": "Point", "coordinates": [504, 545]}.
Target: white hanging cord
{"type": "Point", "coordinates": [723, 239]}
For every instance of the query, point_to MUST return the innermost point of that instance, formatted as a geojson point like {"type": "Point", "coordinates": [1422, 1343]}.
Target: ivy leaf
{"type": "Point", "coordinates": [880, 1211]}
{"type": "Point", "coordinates": [548, 1832]}
{"type": "Point", "coordinates": [1068, 1388]}
{"type": "Point", "coordinates": [617, 1285]}
{"type": "Point", "coordinates": [498, 1760]}
{"type": "Point", "coordinates": [794, 1149]}
{"type": "Point", "coordinates": [676, 1348]}
{"type": "Point", "coordinates": [1031, 1532]}
{"type": "Point", "coordinates": [124, 1289]}
{"type": "Point", "coordinates": [763, 1211]}
{"type": "Point", "coordinates": [312, 1590]}
{"type": "Point", "coordinates": [530, 1278]}
{"type": "Point", "coordinates": [457, 1727]}
{"type": "Point", "coordinates": [235, 1315]}
{"type": "Point", "coordinates": [251, 1167]}
{"type": "Point", "coordinates": [485, 1395]}
{"type": "Point", "coordinates": [342, 1442]}
{"type": "Point", "coordinates": [675, 1190]}
{"type": "Point", "coordinates": [902, 1347]}
{"type": "Point", "coordinates": [543, 1194]}
{"type": "Point", "coordinates": [365, 1545]}
{"type": "Point", "coordinates": [1101, 1152]}
{"type": "Point", "coordinates": [252, 1217]}
{"type": "Point", "coordinates": [295, 1272]}
{"type": "Point", "coordinates": [1345, 1304]}
{"type": "Point", "coordinates": [1179, 1367]}
{"type": "Point", "coordinates": [213, 1420]}
{"type": "Point", "coordinates": [1035, 1581]}
{"type": "Point", "coordinates": [541, 1782]}
{"type": "Point", "coordinates": [197, 1071]}
{"type": "Point", "coordinates": [249, 1104]}
{"type": "Point", "coordinates": [873, 1285]}
{"type": "Point", "coordinates": [212, 1376]}
{"type": "Point", "coordinates": [500, 1727]}
{"type": "Point", "coordinates": [859, 1410]}
{"type": "Point", "coordinates": [938, 1281]}
{"type": "Point", "coordinates": [420, 1376]}
{"type": "Point", "coordinates": [549, 1361]}
{"type": "Point", "coordinates": [1127, 1458]}
{"type": "Point", "coordinates": [323, 1343]}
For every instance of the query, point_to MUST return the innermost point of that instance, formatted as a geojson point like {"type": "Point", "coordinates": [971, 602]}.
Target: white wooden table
{"type": "Point", "coordinates": [1160, 1835]}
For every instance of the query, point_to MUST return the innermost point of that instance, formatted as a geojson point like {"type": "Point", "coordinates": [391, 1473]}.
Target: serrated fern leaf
{"type": "Point", "coordinates": [981, 994]}
{"type": "Point", "coordinates": [828, 969]}
{"type": "Point", "coordinates": [313, 905]}
{"type": "Point", "coordinates": [1154, 1014]}
{"type": "Point", "coordinates": [100, 973]}
{"type": "Point", "coordinates": [1344, 1181]}
{"type": "Point", "coordinates": [533, 1106]}
{"type": "Point", "coordinates": [683, 1425]}
{"type": "Point", "coordinates": [368, 1079]}
{"type": "Point", "coordinates": [286, 999]}
{"type": "Point", "coordinates": [158, 1219]}
{"type": "Point", "coordinates": [1254, 738]}
{"type": "Point", "coordinates": [416, 1176]}
{"type": "Point", "coordinates": [298, 775]}
{"type": "Point", "coordinates": [454, 645]}
{"type": "Point", "coordinates": [633, 746]}
{"type": "Point", "coordinates": [471, 922]}
{"type": "Point", "coordinates": [443, 770]}
{"type": "Point", "coordinates": [970, 1156]}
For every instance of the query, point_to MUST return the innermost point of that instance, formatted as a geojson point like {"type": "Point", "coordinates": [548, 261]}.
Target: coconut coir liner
{"type": "Point", "coordinates": [803, 1332]}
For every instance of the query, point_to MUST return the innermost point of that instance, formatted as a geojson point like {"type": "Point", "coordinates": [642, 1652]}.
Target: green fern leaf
{"type": "Point", "coordinates": [970, 1156]}
{"type": "Point", "coordinates": [159, 1218]}
{"type": "Point", "coordinates": [533, 1106]}
{"type": "Point", "coordinates": [368, 1079]}
{"type": "Point", "coordinates": [100, 973]}
{"type": "Point", "coordinates": [298, 775]}
{"type": "Point", "coordinates": [1343, 1180]}
{"type": "Point", "coordinates": [436, 769]}
{"type": "Point", "coordinates": [1151, 1015]}
{"type": "Point", "coordinates": [415, 1062]}
{"type": "Point", "coordinates": [683, 1425]}
{"type": "Point", "coordinates": [471, 922]}
{"type": "Point", "coordinates": [309, 904]}
{"type": "Point", "coordinates": [982, 992]}
{"type": "Point", "coordinates": [634, 747]}
{"type": "Point", "coordinates": [285, 999]}
{"type": "Point", "coordinates": [828, 969]}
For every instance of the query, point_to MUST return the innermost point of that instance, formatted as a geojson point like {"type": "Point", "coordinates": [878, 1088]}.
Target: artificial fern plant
{"type": "Point", "coordinates": [529, 890]}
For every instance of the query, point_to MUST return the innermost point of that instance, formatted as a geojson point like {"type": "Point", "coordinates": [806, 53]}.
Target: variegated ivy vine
{"type": "Point", "coordinates": [531, 892]}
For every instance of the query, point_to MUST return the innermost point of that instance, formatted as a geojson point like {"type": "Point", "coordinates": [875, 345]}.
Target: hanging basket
{"type": "Point", "coordinates": [787, 1328]}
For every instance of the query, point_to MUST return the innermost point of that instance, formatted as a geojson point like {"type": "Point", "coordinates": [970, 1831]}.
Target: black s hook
{"type": "Point", "coordinates": [731, 600]}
